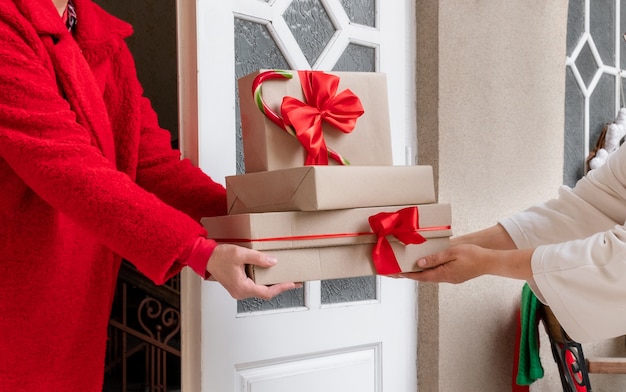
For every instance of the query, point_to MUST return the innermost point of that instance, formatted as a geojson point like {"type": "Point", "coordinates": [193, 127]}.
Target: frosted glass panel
{"type": "Point", "coordinates": [288, 299]}
{"type": "Point", "coordinates": [586, 64]}
{"type": "Point", "coordinates": [574, 131]}
{"type": "Point", "coordinates": [361, 11]}
{"type": "Point", "coordinates": [575, 23]}
{"type": "Point", "coordinates": [602, 28]}
{"type": "Point", "coordinates": [592, 81]}
{"type": "Point", "coordinates": [601, 107]}
{"type": "Point", "coordinates": [348, 290]}
{"type": "Point", "coordinates": [255, 48]}
{"type": "Point", "coordinates": [357, 58]}
{"type": "Point", "coordinates": [310, 25]}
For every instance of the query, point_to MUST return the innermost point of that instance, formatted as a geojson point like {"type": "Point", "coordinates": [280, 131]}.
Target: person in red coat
{"type": "Point", "coordinates": [87, 177]}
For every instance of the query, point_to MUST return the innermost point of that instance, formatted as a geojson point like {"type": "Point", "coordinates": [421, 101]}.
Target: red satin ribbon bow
{"type": "Point", "coordinates": [403, 225]}
{"type": "Point", "coordinates": [322, 104]}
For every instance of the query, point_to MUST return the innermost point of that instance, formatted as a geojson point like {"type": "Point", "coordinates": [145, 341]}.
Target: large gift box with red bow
{"type": "Point", "coordinates": [339, 243]}
{"type": "Point", "coordinates": [296, 118]}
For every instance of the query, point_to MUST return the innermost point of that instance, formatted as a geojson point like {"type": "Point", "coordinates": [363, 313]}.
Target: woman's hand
{"type": "Point", "coordinates": [461, 263]}
{"type": "Point", "coordinates": [227, 266]}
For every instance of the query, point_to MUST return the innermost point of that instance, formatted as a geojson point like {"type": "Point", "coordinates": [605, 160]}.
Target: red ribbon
{"type": "Point", "coordinates": [322, 104]}
{"type": "Point", "coordinates": [402, 224]}
{"type": "Point", "coordinates": [308, 237]}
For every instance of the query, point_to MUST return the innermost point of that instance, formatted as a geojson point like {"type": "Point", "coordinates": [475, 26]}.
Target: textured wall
{"type": "Point", "coordinates": [490, 120]}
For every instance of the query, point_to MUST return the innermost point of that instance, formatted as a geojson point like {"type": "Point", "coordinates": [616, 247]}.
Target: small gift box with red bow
{"type": "Point", "coordinates": [296, 118]}
{"type": "Point", "coordinates": [339, 243]}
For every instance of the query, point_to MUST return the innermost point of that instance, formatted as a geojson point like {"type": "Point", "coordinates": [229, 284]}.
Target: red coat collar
{"type": "Point", "coordinates": [97, 32]}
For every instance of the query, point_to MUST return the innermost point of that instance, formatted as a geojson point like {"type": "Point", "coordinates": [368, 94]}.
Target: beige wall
{"type": "Point", "coordinates": [490, 82]}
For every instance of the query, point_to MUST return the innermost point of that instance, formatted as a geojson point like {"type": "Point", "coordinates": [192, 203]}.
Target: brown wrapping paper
{"type": "Point", "coordinates": [268, 147]}
{"type": "Point", "coordinates": [305, 259]}
{"type": "Point", "coordinates": [314, 188]}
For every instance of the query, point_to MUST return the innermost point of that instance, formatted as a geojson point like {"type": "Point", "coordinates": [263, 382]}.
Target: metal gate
{"type": "Point", "coordinates": [143, 349]}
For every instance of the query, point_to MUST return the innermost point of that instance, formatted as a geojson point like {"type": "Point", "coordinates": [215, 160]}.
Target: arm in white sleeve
{"type": "Point", "coordinates": [579, 266]}
{"type": "Point", "coordinates": [584, 283]}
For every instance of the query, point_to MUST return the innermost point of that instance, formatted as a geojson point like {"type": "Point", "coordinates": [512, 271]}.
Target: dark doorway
{"type": "Point", "coordinates": [143, 350]}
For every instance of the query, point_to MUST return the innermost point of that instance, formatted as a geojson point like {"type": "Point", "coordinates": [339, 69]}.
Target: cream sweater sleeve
{"type": "Point", "coordinates": [579, 264]}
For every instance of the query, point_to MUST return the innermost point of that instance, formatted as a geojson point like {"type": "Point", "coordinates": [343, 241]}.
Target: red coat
{"type": "Point", "coordinates": [86, 176]}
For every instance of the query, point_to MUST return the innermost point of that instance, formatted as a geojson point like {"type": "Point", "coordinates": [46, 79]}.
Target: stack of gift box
{"type": "Point", "coordinates": [320, 191]}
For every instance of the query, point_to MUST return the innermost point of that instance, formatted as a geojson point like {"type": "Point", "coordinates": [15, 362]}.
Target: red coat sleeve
{"type": "Point", "coordinates": [159, 167]}
{"type": "Point", "coordinates": [50, 146]}
{"type": "Point", "coordinates": [190, 189]}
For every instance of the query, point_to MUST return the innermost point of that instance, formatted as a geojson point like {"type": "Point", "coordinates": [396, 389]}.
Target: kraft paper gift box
{"type": "Point", "coordinates": [328, 244]}
{"type": "Point", "coordinates": [266, 146]}
{"type": "Point", "coordinates": [313, 188]}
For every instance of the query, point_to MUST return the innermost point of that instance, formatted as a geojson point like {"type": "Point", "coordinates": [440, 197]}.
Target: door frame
{"type": "Point", "coordinates": [190, 291]}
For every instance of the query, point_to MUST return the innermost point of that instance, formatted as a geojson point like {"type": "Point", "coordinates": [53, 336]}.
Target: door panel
{"type": "Point", "coordinates": [358, 369]}
{"type": "Point", "coordinates": [330, 335]}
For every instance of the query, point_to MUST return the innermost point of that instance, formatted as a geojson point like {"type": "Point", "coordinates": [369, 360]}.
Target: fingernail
{"type": "Point", "coordinates": [272, 260]}
{"type": "Point", "coordinates": [421, 262]}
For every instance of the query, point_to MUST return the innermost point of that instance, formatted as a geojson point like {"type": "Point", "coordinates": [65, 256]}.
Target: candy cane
{"type": "Point", "coordinates": [273, 116]}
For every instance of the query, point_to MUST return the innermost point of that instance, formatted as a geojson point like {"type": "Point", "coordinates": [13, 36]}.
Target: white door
{"type": "Point", "coordinates": [319, 338]}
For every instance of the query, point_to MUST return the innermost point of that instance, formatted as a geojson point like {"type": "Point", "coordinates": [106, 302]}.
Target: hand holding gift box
{"type": "Point", "coordinates": [303, 204]}
{"type": "Point", "coordinates": [336, 244]}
